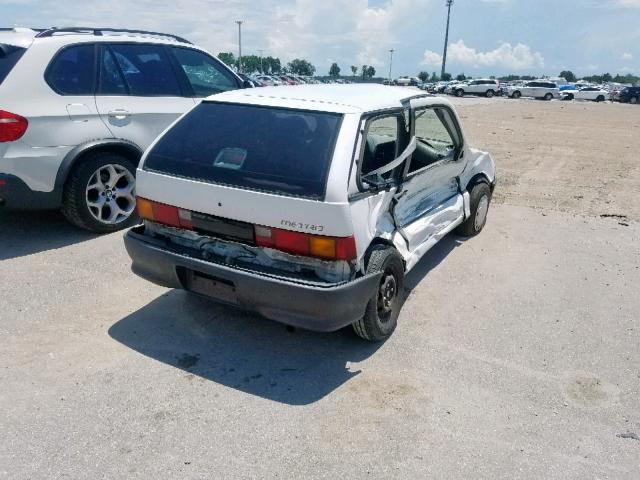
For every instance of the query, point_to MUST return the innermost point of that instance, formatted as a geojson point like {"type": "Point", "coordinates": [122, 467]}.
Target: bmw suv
{"type": "Point", "coordinates": [78, 106]}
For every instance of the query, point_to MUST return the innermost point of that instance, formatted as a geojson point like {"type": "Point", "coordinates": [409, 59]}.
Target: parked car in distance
{"type": "Point", "coordinates": [485, 87]}
{"type": "Point", "coordinates": [78, 106]}
{"type": "Point", "coordinates": [307, 205]}
{"type": "Point", "coordinates": [541, 89]}
{"type": "Point", "coordinates": [628, 95]}
{"type": "Point", "coordinates": [595, 94]}
{"type": "Point", "coordinates": [407, 81]}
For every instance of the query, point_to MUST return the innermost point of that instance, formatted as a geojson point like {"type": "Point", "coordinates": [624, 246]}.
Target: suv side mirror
{"type": "Point", "coordinates": [247, 84]}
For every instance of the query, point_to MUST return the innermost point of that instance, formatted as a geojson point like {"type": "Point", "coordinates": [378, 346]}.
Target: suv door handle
{"type": "Point", "coordinates": [119, 114]}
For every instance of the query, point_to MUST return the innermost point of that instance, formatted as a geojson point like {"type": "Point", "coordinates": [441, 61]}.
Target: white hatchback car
{"type": "Point", "coordinates": [307, 204]}
{"type": "Point", "coordinates": [78, 106]}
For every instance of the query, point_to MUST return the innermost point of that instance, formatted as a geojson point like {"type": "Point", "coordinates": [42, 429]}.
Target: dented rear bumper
{"type": "Point", "coordinates": [314, 306]}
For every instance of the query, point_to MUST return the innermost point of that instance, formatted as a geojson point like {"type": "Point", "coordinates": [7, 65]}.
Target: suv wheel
{"type": "Point", "coordinates": [490, 93]}
{"type": "Point", "coordinates": [381, 315]}
{"type": "Point", "coordinates": [516, 94]}
{"type": "Point", "coordinates": [100, 193]}
{"type": "Point", "coordinates": [548, 96]}
{"type": "Point", "coordinates": [480, 199]}
{"type": "Point", "coordinates": [633, 100]}
{"type": "Point", "coordinates": [600, 98]}
{"type": "Point", "coordinates": [459, 92]}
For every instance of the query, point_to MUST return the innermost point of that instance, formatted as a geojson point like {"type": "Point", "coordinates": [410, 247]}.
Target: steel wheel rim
{"type": "Point", "coordinates": [481, 212]}
{"type": "Point", "coordinates": [110, 194]}
{"type": "Point", "coordinates": [387, 293]}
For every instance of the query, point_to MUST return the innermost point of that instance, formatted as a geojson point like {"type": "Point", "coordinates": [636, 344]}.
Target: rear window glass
{"type": "Point", "coordinates": [260, 148]}
{"type": "Point", "coordinates": [71, 72]}
{"type": "Point", "coordinates": [9, 56]}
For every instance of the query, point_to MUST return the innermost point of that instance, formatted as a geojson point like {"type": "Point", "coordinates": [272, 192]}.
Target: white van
{"type": "Point", "coordinates": [307, 204]}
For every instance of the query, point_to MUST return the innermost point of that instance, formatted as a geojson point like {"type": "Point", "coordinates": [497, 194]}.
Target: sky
{"type": "Point", "coordinates": [487, 37]}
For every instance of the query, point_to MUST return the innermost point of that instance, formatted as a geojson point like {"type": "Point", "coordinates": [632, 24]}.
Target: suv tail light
{"type": "Point", "coordinates": [328, 248]}
{"type": "Point", "coordinates": [12, 126]}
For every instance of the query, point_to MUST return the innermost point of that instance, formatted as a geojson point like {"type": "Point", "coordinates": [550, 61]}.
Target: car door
{"type": "Point", "coordinates": [429, 200]}
{"type": "Point", "coordinates": [140, 92]}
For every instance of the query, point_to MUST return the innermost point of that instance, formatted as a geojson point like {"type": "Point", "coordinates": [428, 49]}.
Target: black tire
{"type": "Point", "coordinates": [570, 96]}
{"type": "Point", "coordinates": [381, 315]}
{"type": "Point", "coordinates": [600, 98]}
{"type": "Point", "coordinates": [548, 96]}
{"type": "Point", "coordinates": [75, 199]}
{"type": "Point", "coordinates": [490, 93]}
{"type": "Point", "coordinates": [516, 94]}
{"type": "Point", "coordinates": [470, 227]}
{"type": "Point", "coordinates": [633, 100]}
{"type": "Point", "coordinates": [459, 92]}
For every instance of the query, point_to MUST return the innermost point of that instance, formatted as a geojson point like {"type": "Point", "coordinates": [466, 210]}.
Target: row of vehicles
{"type": "Point", "coordinates": [307, 204]}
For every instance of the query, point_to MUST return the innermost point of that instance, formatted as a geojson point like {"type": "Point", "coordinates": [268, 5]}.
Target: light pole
{"type": "Point", "coordinates": [446, 39]}
{"type": "Point", "coordinates": [390, 62]}
{"type": "Point", "coordinates": [261, 52]}
{"type": "Point", "coordinates": [239, 22]}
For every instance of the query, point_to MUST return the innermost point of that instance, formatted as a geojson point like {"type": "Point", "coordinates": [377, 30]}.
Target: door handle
{"type": "Point", "coordinates": [119, 114]}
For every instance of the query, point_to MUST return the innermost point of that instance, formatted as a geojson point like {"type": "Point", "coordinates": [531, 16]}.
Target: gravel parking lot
{"type": "Point", "coordinates": [516, 356]}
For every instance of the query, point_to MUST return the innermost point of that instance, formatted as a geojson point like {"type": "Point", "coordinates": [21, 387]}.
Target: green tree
{"type": "Point", "coordinates": [300, 66]}
{"type": "Point", "coordinates": [461, 77]}
{"type": "Point", "coordinates": [424, 76]}
{"type": "Point", "coordinates": [334, 71]}
{"type": "Point", "coordinates": [271, 65]}
{"type": "Point", "coordinates": [364, 70]}
{"type": "Point", "coordinates": [568, 76]}
{"type": "Point", "coordinates": [434, 77]}
{"type": "Point", "coordinates": [371, 71]}
{"type": "Point", "coordinates": [607, 77]}
{"type": "Point", "coordinates": [446, 77]}
{"type": "Point", "coordinates": [251, 64]}
{"type": "Point", "coordinates": [228, 58]}
{"type": "Point", "coordinates": [354, 70]}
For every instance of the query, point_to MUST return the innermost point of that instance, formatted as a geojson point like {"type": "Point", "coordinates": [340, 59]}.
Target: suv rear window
{"type": "Point", "coordinates": [9, 56]}
{"type": "Point", "coordinates": [259, 148]}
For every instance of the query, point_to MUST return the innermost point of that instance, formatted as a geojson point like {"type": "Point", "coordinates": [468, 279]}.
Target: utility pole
{"type": "Point", "coordinates": [390, 62]}
{"type": "Point", "coordinates": [239, 22]}
{"type": "Point", "coordinates": [446, 39]}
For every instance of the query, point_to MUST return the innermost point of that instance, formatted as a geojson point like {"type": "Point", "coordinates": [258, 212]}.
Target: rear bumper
{"type": "Point", "coordinates": [322, 308]}
{"type": "Point", "coordinates": [16, 195]}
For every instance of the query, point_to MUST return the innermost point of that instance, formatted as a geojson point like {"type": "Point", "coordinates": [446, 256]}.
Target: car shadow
{"type": "Point", "coordinates": [241, 350]}
{"type": "Point", "coordinates": [249, 353]}
{"type": "Point", "coordinates": [25, 233]}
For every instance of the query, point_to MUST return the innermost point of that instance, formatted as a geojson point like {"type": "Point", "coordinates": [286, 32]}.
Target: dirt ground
{"type": "Point", "coordinates": [579, 157]}
{"type": "Point", "coordinates": [516, 356]}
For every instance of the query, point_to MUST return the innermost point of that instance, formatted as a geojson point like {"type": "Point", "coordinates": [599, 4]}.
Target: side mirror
{"type": "Point", "coordinates": [247, 84]}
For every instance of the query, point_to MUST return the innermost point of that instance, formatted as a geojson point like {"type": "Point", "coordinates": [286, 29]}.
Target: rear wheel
{"type": "Point", "coordinates": [490, 93]}
{"type": "Point", "coordinates": [516, 94]}
{"type": "Point", "coordinates": [459, 92]}
{"type": "Point", "coordinates": [100, 193]}
{"type": "Point", "coordinates": [548, 96]}
{"type": "Point", "coordinates": [479, 199]}
{"type": "Point", "coordinates": [381, 315]}
{"type": "Point", "coordinates": [600, 98]}
{"type": "Point", "coordinates": [633, 100]}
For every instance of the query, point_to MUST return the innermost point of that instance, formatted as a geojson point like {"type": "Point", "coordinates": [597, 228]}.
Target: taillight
{"type": "Point", "coordinates": [163, 213]}
{"type": "Point", "coordinates": [331, 248]}
{"type": "Point", "coordinates": [12, 126]}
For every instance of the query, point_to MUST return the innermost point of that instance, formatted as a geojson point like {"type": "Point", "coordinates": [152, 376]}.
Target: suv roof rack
{"type": "Point", "coordinates": [99, 32]}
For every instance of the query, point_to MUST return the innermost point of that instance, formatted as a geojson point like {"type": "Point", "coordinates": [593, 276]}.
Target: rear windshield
{"type": "Point", "coordinates": [260, 148]}
{"type": "Point", "coordinates": [9, 56]}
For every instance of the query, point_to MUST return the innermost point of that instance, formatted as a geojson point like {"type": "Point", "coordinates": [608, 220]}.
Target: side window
{"type": "Point", "coordinates": [71, 72]}
{"type": "Point", "coordinates": [433, 140]}
{"type": "Point", "coordinates": [381, 146]}
{"type": "Point", "coordinates": [147, 70]}
{"type": "Point", "coordinates": [111, 81]}
{"type": "Point", "coordinates": [206, 76]}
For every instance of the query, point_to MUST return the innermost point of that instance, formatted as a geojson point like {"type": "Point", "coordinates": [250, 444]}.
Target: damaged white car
{"type": "Point", "coordinates": [307, 204]}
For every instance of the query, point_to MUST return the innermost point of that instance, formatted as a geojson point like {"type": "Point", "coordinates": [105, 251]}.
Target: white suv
{"type": "Point", "coordinates": [78, 107]}
{"type": "Point", "coordinates": [307, 204]}
{"type": "Point", "coordinates": [485, 87]}
{"type": "Point", "coordinates": [542, 89]}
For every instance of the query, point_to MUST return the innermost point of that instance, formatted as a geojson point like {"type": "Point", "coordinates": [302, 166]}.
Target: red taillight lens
{"type": "Point", "coordinates": [163, 213]}
{"type": "Point", "coordinates": [331, 248]}
{"type": "Point", "coordinates": [12, 126]}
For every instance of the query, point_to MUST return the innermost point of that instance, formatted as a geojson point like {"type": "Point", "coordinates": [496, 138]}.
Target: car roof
{"type": "Point", "coordinates": [349, 98]}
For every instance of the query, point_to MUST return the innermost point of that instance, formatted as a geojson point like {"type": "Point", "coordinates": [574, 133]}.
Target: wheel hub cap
{"type": "Point", "coordinates": [110, 194]}
{"type": "Point", "coordinates": [481, 212]}
{"type": "Point", "coordinates": [387, 294]}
